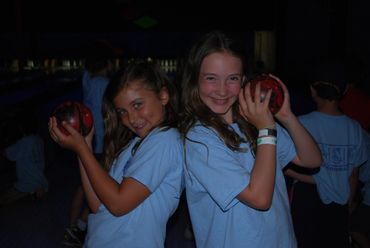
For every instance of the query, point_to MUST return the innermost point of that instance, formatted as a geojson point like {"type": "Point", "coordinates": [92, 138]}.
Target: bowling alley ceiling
{"type": "Point", "coordinates": [133, 15]}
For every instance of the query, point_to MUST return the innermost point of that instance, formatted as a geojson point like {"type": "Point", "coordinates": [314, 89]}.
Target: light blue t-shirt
{"type": "Point", "coordinates": [93, 89]}
{"type": "Point", "coordinates": [157, 164]}
{"type": "Point", "coordinates": [28, 154]}
{"type": "Point", "coordinates": [343, 148]}
{"type": "Point", "coordinates": [215, 175]}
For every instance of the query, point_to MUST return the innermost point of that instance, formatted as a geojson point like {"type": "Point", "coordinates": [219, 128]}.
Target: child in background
{"type": "Point", "coordinates": [94, 82]}
{"type": "Point", "coordinates": [144, 154]}
{"type": "Point", "coordinates": [235, 151]}
{"type": "Point", "coordinates": [27, 151]}
{"type": "Point", "coordinates": [320, 201]}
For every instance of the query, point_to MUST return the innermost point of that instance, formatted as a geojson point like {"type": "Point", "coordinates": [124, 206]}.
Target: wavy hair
{"type": "Point", "coordinates": [194, 109]}
{"type": "Point", "coordinates": [117, 136]}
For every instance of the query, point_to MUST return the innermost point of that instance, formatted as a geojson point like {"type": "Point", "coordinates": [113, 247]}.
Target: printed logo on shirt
{"type": "Point", "coordinates": [336, 157]}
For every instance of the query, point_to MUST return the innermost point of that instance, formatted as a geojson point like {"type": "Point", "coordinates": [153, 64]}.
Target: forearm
{"type": "Point", "coordinates": [92, 199]}
{"type": "Point", "coordinates": [106, 188]}
{"type": "Point", "coordinates": [258, 193]}
{"type": "Point", "coordinates": [308, 152]}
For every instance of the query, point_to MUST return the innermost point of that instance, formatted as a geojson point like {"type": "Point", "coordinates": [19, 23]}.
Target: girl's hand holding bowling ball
{"type": "Point", "coordinates": [255, 109]}
{"type": "Point", "coordinates": [71, 122]}
{"type": "Point", "coordinates": [268, 82]}
{"type": "Point", "coordinates": [76, 114]}
{"type": "Point", "coordinates": [279, 103]}
{"type": "Point", "coordinates": [73, 140]}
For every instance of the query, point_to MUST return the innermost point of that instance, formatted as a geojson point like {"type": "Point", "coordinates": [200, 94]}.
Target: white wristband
{"type": "Point", "coordinates": [267, 140]}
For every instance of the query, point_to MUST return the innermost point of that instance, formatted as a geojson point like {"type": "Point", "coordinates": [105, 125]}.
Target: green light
{"type": "Point", "coordinates": [146, 22]}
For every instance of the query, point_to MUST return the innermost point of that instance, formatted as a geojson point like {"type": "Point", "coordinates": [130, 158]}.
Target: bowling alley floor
{"type": "Point", "coordinates": [30, 223]}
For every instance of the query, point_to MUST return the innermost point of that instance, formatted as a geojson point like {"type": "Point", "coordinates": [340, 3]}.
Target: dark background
{"type": "Point", "coordinates": [306, 31]}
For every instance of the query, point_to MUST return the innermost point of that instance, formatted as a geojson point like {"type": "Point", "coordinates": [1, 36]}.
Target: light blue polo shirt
{"type": "Point", "coordinates": [215, 175]}
{"type": "Point", "coordinates": [157, 164]}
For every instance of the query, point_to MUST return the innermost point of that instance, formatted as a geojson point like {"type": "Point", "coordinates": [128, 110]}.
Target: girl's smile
{"type": "Point", "coordinates": [220, 81]}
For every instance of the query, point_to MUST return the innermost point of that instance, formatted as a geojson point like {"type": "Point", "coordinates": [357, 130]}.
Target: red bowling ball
{"type": "Point", "coordinates": [76, 114]}
{"type": "Point", "coordinates": [266, 83]}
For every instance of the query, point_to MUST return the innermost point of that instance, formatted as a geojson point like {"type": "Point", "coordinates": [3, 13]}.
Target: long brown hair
{"type": "Point", "coordinates": [117, 136]}
{"type": "Point", "coordinates": [194, 109]}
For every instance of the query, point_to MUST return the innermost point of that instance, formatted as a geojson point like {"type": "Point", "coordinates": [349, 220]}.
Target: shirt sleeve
{"type": "Point", "coordinates": [359, 154]}
{"type": "Point", "coordinates": [365, 168]}
{"type": "Point", "coordinates": [285, 147]}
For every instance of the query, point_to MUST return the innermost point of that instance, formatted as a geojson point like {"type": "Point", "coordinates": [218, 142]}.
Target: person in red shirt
{"type": "Point", "coordinates": [356, 104]}
{"type": "Point", "coordinates": [356, 99]}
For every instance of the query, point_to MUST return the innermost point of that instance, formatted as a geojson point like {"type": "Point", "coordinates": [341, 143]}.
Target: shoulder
{"type": "Point", "coordinates": [307, 116]}
{"type": "Point", "coordinates": [200, 131]}
{"type": "Point", "coordinates": [160, 144]}
{"type": "Point", "coordinates": [164, 133]}
{"type": "Point", "coordinates": [311, 119]}
{"type": "Point", "coordinates": [353, 122]}
{"type": "Point", "coordinates": [98, 81]}
{"type": "Point", "coordinates": [204, 136]}
{"type": "Point", "coordinates": [28, 140]}
{"type": "Point", "coordinates": [163, 137]}
{"type": "Point", "coordinates": [350, 124]}
{"type": "Point", "coordinates": [101, 79]}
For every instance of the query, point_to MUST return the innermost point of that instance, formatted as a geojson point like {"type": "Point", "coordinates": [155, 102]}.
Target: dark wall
{"type": "Point", "coordinates": [78, 44]}
{"type": "Point", "coordinates": [311, 31]}
{"type": "Point", "coordinates": [307, 31]}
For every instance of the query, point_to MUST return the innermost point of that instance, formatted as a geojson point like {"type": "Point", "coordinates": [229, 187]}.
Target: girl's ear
{"type": "Point", "coordinates": [164, 96]}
